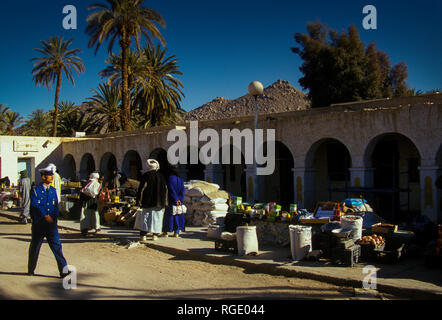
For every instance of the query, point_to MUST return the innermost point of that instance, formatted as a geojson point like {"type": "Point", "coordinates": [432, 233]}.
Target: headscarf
{"type": "Point", "coordinates": [94, 176]}
{"type": "Point", "coordinates": [152, 165]}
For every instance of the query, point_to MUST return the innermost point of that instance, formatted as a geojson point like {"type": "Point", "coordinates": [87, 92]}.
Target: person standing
{"type": "Point", "coordinates": [113, 183]}
{"type": "Point", "coordinates": [175, 185]}
{"type": "Point", "coordinates": [24, 194]}
{"type": "Point", "coordinates": [56, 183]}
{"type": "Point", "coordinates": [152, 198]}
{"type": "Point", "coordinates": [44, 213]}
{"type": "Point", "coordinates": [90, 217]}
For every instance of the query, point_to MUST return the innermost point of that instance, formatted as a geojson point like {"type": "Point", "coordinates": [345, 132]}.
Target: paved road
{"type": "Point", "coordinates": [108, 270]}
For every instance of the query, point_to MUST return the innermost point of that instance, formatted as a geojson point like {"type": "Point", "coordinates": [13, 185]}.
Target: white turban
{"type": "Point", "coordinates": [52, 167]}
{"type": "Point", "coordinates": [152, 165]}
{"type": "Point", "coordinates": [94, 176]}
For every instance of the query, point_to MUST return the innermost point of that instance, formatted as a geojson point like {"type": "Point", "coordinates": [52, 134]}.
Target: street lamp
{"type": "Point", "coordinates": [255, 89]}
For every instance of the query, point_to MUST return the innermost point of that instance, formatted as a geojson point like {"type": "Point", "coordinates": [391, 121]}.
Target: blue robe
{"type": "Point", "coordinates": [176, 191]}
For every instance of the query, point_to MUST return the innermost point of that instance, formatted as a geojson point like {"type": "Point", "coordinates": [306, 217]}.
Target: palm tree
{"type": "Point", "coordinates": [75, 121]}
{"type": "Point", "coordinates": [3, 110]}
{"type": "Point", "coordinates": [38, 124]}
{"type": "Point", "coordinates": [57, 58]}
{"type": "Point", "coordinates": [160, 95]}
{"type": "Point", "coordinates": [107, 111]}
{"type": "Point", "coordinates": [123, 20]}
{"type": "Point", "coordinates": [135, 67]}
{"type": "Point", "coordinates": [11, 120]}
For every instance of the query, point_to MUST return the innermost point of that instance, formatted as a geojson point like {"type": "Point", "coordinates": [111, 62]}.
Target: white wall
{"type": "Point", "coordinates": [40, 150]}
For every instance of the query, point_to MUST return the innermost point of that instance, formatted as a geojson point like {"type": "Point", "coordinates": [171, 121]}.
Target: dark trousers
{"type": "Point", "coordinates": [41, 230]}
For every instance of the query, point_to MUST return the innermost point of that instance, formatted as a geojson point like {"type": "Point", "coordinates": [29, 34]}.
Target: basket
{"type": "Point", "coordinates": [383, 228]}
{"type": "Point", "coordinates": [370, 251]}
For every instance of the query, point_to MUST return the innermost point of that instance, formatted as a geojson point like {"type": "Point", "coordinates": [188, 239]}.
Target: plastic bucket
{"type": "Point", "coordinates": [247, 240]}
{"type": "Point", "coordinates": [353, 223]}
{"type": "Point", "coordinates": [300, 241]}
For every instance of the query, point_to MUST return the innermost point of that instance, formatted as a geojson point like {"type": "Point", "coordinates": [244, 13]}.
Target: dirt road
{"type": "Point", "coordinates": [106, 270]}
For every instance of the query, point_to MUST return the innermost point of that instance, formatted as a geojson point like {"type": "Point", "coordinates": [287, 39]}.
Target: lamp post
{"type": "Point", "coordinates": [255, 89]}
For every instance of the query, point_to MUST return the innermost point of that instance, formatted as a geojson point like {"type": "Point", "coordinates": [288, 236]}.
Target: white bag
{"type": "Point", "coordinates": [92, 189]}
{"type": "Point", "coordinates": [179, 209]}
{"type": "Point", "coordinates": [195, 192]}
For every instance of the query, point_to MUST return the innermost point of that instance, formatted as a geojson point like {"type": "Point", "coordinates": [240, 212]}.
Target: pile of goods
{"type": "Point", "coordinates": [270, 212]}
{"type": "Point", "coordinates": [373, 240]}
{"type": "Point", "coordinates": [125, 217]}
{"type": "Point", "coordinates": [205, 203]}
{"type": "Point", "coordinates": [112, 216]}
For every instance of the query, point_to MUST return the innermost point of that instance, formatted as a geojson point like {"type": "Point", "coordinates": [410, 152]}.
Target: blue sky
{"type": "Point", "coordinates": [221, 46]}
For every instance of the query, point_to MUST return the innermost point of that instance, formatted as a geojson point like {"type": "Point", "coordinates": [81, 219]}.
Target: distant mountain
{"type": "Point", "coordinates": [280, 96]}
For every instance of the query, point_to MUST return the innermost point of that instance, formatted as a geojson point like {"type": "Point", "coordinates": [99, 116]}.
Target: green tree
{"type": "Point", "coordinates": [75, 121]}
{"type": "Point", "coordinates": [3, 110]}
{"type": "Point", "coordinates": [38, 124]}
{"type": "Point", "coordinates": [341, 69]}
{"type": "Point", "coordinates": [123, 20]}
{"type": "Point", "coordinates": [11, 120]}
{"type": "Point", "coordinates": [159, 94]}
{"type": "Point", "coordinates": [57, 59]}
{"type": "Point", "coordinates": [107, 109]}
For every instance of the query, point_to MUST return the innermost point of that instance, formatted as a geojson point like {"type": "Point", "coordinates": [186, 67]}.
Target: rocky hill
{"type": "Point", "coordinates": [280, 96]}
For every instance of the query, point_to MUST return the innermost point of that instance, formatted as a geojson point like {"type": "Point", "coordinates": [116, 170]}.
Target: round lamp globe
{"type": "Point", "coordinates": [256, 88]}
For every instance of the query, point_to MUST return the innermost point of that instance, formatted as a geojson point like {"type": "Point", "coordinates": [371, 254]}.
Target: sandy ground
{"type": "Point", "coordinates": [108, 270]}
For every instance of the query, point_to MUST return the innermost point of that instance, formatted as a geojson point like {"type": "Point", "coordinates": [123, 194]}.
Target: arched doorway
{"type": "Point", "coordinates": [132, 165]}
{"type": "Point", "coordinates": [107, 164]}
{"type": "Point", "coordinates": [330, 161]}
{"type": "Point", "coordinates": [87, 166]}
{"type": "Point", "coordinates": [69, 168]}
{"type": "Point", "coordinates": [279, 186]}
{"type": "Point", "coordinates": [195, 171]}
{"type": "Point", "coordinates": [233, 176]}
{"type": "Point", "coordinates": [396, 178]}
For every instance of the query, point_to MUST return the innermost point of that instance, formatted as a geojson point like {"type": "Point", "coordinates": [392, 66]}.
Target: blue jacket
{"type": "Point", "coordinates": [176, 189]}
{"type": "Point", "coordinates": [43, 203]}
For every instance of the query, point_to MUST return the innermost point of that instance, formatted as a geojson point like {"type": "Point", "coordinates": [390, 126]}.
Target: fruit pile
{"type": "Point", "coordinates": [373, 239]}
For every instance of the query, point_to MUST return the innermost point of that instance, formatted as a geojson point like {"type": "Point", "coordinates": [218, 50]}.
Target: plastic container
{"type": "Point", "coordinates": [214, 231]}
{"type": "Point", "coordinates": [300, 241]}
{"type": "Point", "coordinates": [353, 223]}
{"type": "Point", "coordinates": [247, 240]}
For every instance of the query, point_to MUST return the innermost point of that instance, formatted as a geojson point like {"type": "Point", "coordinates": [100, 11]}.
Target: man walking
{"type": "Point", "coordinates": [24, 194]}
{"type": "Point", "coordinates": [44, 213]}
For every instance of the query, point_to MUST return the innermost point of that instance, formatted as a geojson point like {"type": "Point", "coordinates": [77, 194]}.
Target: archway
{"type": "Point", "coordinates": [232, 175]}
{"type": "Point", "coordinates": [132, 165]}
{"type": "Point", "coordinates": [69, 169]}
{"type": "Point", "coordinates": [396, 178]}
{"type": "Point", "coordinates": [195, 171]}
{"type": "Point", "coordinates": [330, 161]}
{"type": "Point", "coordinates": [279, 186]}
{"type": "Point", "coordinates": [107, 164]}
{"type": "Point", "coordinates": [87, 166]}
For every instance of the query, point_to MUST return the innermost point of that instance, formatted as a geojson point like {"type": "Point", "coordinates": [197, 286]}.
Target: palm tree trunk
{"type": "Point", "coordinates": [125, 117]}
{"type": "Point", "coordinates": [57, 93]}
